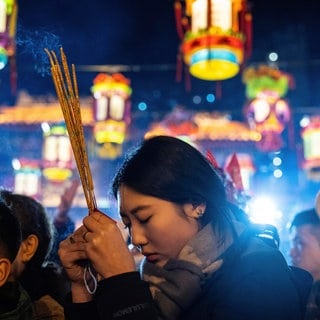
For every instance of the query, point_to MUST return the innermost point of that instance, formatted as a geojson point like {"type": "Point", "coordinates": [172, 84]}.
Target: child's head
{"type": "Point", "coordinates": [10, 239]}
{"type": "Point", "coordinates": [35, 230]}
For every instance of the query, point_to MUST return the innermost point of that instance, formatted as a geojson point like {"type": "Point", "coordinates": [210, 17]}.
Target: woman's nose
{"type": "Point", "coordinates": [138, 238]}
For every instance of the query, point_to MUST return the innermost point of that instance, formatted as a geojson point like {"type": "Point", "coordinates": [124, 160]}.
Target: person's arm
{"type": "Point", "coordinates": [79, 311]}
{"type": "Point", "coordinates": [61, 217]}
{"type": "Point", "coordinates": [125, 297]}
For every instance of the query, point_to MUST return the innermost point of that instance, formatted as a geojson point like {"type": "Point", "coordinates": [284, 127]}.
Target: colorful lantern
{"type": "Point", "coordinates": [8, 20]}
{"type": "Point", "coordinates": [27, 177]}
{"type": "Point", "coordinates": [111, 112]}
{"type": "Point", "coordinates": [267, 112]}
{"type": "Point", "coordinates": [58, 161]}
{"type": "Point", "coordinates": [311, 148]}
{"type": "Point", "coordinates": [216, 36]}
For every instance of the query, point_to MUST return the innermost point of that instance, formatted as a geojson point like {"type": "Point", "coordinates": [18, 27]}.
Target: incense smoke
{"type": "Point", "coordinates": [34, 42]}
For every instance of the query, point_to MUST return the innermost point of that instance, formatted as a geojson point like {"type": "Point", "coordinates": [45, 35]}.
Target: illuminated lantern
{"type": "Point", "coordinates": [266, 111]}
{"type": "Point", "coordinates": [27, 177]}
{"type": "Point", "coordinates": [216, 36]}
{"type": "Point", "coordinates": [8, 20]}
{"type": "Point", "coordinates": [58, 162]}
{"type": "Point", "coordinates": [111, 113]}
{"type": "Point", "coordinates": [311, 148]}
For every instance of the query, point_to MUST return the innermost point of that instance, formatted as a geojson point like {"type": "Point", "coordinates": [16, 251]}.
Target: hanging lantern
{"type": "Point", "coordinates": [111, 112]}
{"type": "Point", "coordinates": [27, 177]}
{"type": "Point", "coordinates": [8, 20]}
{"type": "Point", "coordinates": [57, 155]}
{"type": "Point", "coordinates": [266, 111]}
{"type": "Point", "coordinates": [311, 148]}
{"type": "Point", "coordinates": [216, 36]}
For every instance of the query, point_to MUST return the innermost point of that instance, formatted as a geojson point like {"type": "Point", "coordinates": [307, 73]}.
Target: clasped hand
{"type": "Point", "coordinates": [100, 241]}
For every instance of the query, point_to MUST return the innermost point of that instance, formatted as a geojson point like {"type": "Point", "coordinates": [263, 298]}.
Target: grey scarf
{"type": "Point", "coordinates": [177, 284]}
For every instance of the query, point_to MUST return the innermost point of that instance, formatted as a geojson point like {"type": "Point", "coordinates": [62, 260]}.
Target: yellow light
{"type": "Point", "coordinates": [214, 70]}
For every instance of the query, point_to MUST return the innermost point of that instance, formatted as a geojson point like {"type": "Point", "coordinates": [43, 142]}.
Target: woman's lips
{"type": "Point", "coordinates": [152, 257]}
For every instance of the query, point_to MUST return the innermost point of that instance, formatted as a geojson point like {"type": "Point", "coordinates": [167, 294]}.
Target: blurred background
{"type": "Point", "coordinates": [132, 57]}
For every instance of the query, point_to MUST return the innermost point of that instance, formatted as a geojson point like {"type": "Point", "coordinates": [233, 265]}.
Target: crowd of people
{"type": "Point", "coordinates": [196, 255]}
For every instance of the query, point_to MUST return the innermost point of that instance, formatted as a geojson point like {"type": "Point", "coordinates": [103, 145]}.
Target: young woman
{"type": "Point", "coordinates": [202, 259]}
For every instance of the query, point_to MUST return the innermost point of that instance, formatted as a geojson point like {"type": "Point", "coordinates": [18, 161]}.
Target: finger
{"type": "Point", "coordinates": [71, 257]}
{"type": "Point", "coordinates": [84, 236]}
{"type": "Point", "coordinates": [71, 239]}
{"type": "Point", "coordinates": [98, 215]}
{"type": "Point", "coordinates": [78, 235]}
{"type": "Point", "coordinates": [72, 243]}
{"type": "Point", "coordinates": [96, 219]}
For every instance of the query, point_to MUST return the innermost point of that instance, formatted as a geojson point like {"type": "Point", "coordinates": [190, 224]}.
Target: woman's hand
{"type": "Point", "coordinates": [73, 256]}
{"type": "Point", "coordinates": [106, 247]}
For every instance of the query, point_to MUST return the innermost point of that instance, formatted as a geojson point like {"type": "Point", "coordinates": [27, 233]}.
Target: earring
{"type": "Point", "coordinates": [200, 213]}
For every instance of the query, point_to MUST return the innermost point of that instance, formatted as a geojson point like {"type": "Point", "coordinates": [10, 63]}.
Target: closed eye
{"type": "Point", "coordinates": [144, 221]}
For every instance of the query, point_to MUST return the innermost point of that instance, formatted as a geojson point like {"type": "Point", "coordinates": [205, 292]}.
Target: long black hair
{"type": "Point", "coordinates": [171, 169]}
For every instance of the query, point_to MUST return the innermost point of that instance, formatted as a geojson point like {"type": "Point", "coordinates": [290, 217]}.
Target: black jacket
{"type": "Point", "coordinates": [253, 283]}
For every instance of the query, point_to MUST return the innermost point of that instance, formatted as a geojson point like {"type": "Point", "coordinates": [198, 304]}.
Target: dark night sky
{"type": "Point", "coordinates": [142, 33]}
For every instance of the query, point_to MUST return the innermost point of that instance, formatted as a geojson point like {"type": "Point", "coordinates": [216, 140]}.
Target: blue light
{"type": "Point", "coordinates": [211, 97]}
{"type": "Point", "coordinates": [305, 121]}
{"type": "Point", "coordinates": [213, 54]}
{"type": "Point", "coordinates": [196, 99]}
{"type": "Point", "coordinates": [276, 161]}
{"type": "Point", "coordinates": [277, 173]}
{"type": "Point", "coordinates": [142, 106]}
{"type": "Point", "coordinates": [263, 209]}
{"type": "Point", "coordinates": [3, 58]}
{"type": "Point", "coordinates": [273, 56]}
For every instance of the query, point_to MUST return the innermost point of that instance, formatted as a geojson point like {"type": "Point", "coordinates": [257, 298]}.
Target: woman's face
{"type": "Point", "coordinates": [159, 228]}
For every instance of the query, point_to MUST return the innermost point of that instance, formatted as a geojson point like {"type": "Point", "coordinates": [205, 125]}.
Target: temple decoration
{"type": "Point", "coordinates": [266, 110]}
{"type": "Point", "coordinates": [200, 126]}
{"type": "Point", "coordinates": [58, 161]}
{"type": "Point", "coordinates": [215, 36]}
{"type": "Point", "coordinates": [111, 113]}
{"type": "Point", "coordinates": [27, 177]}
{"type": "Point", "coordinates": [241, 169]}
{"type": "Point", "coordinates": [8, 21]}
{"type": "Point", "coordinates": [178, 123]}
{"type": "Point", "coordinates": [231, 178]}
{"type": "Point", "coordinates": [311, 148]}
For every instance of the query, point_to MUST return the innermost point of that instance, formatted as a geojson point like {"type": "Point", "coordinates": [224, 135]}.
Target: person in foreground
{"type": "Point", "coordinates": [42, 279]}
{"type": "Point", "coordinates": [14, 301]}
{"type": "Point", "coordinates": [202, 259]}
{"type": "Point", "coordinates": [305, 254]}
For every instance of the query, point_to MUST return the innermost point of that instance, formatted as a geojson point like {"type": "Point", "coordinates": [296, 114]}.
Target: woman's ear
{"type": "Point", "coordinates": [194, 211]}
{"type": "Point", "coordinates": [5, 269]}
{"type": "Point", "coordinates": [28, 247]}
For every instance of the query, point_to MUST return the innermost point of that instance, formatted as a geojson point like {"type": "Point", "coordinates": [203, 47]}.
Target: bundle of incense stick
{"type": "Point", "coordinates": [67, 91]}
